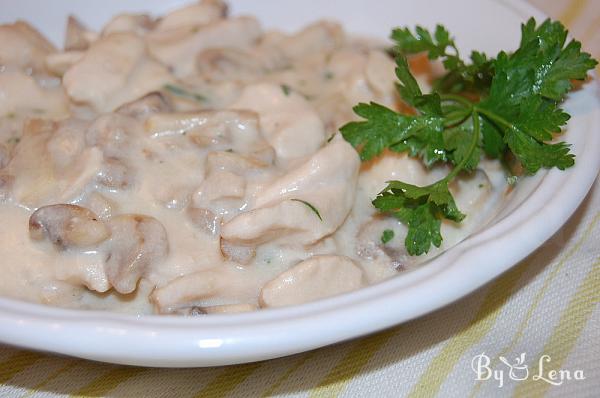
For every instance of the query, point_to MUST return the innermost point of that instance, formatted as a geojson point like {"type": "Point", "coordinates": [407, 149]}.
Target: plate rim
{"type": "Point", "coordinates": [223, 339]}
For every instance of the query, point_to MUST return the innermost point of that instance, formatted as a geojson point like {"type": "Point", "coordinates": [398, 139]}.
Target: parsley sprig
{"type": "Point", "coordinates": [508, 106]}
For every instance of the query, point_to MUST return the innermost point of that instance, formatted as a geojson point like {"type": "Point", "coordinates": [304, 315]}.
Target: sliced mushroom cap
{"type": "Point", "coordinates": [240, 254]}
{"type": "Point", "coordinates": [229, 308]}
{"type": "Point", "coordinates": [137, 242]}
{"type": "Point", "coordinates": [312, 279]}
{"type": "Point", "coordinates": [186, 290]}
{"type": "Point", "coordinates": [147, 105]}
{"type": "Point", "coordinates": [67, 226]}
{"type": "Point", "coordinates": [205, 220]}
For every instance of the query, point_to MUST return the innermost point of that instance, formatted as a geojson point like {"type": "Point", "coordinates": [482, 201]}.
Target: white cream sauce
{"type": "Point", "coordinates": [200, 143]}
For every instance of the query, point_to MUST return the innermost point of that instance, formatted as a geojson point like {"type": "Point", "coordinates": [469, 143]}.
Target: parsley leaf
{"type": "Point", "coordinates": [385, 128]}
{"type": "Point", "coordinates": [506, 108]}
{"type": "Point", "coordinates": [420, 208]}
{"type": "Point", "coordinates": [387, 236]}
{"type": "Point", "coordinates": [310, 206]}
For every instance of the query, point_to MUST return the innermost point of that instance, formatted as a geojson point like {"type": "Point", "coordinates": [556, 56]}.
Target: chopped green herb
{"type": "Point", "coordinates": [310, 206]}
{"type": "Point", "coordinates": [286, 89]}
{"type": "Point", "coordinates": [13, 141]}
{"type": "Point", "coordinates": [181, 92]}
{"type": "Point", "coordinates": [513, 108]}
{"type": "Point", "coordinates": [387, 236]}
{"type": "Point", "coordinates": [512, 180]}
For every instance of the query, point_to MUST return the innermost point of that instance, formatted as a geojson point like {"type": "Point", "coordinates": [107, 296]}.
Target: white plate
{"type": "Point", "coordinates": [539, 206]}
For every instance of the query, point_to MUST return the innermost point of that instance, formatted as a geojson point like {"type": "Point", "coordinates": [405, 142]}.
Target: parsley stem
{"type": "Point", "coordinates": [457, 98]}
{"type": "Point", "coordinates": [494, 117]}
{"type": "Point", "coordinates": [472, 147]}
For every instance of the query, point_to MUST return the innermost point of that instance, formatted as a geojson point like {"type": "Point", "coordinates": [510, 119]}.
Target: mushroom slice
{"type": "Point", "coordinates": [187, 289]}
{"type": "Point", "coordinates": [205, 220]}
{"type": "Point", "coordinates": [115, 175]}
{"type": "Point", "coordinates": [370, 243]}
{"type": "Point", "coordinates": [137, 243]}
{"type": "Point", "coordinates": [143, 107]}
{"type": "Point", "coordinates": [312, 279]}
{"type": "Point", "coordinates": [237, 253]}
{"type": "Point", "coordinates": [67, 226]}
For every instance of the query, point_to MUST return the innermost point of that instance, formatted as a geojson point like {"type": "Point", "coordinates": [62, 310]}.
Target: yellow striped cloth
{"type": "Point", "coordinates": [549, 304]}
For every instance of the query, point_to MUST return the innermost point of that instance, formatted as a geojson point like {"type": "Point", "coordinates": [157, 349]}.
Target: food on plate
{"type": "Point", "coordinates": [198, 164]}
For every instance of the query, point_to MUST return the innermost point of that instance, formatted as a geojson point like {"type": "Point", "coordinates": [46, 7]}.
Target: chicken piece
{"type": "Point", "coordinates": [319, 38]}
{"type": "Point", "coordinates": [20, 94]}
{"type": "Point", "coordinates": [59, 63]}
{"type": "Point", "coordinates": [67, 226]}
{"type": "Point", "coordinates": [115, 70]}
{"type": "Point", "coordinates": [312, 279]}
{"type": "Point", "coordinates": [178, 48]}
{"type": "Point", "coordinates": [287, 121]}
{"type": "Point", "coordinates": [138, 24]}
{"type": "Point", "coordinates": [23, 47]}
{"type": "Point", "coordinates": [380, 74]}
{"type": "Point", "coordinates": [187, 289]}
{"type": "Point", "coordinates": [51, 164]}
{"type": "Point", "coordinates": [137, 242]}
{"type": "Point", "coordinates": [78, 37]}
{"type": "Point", "coordinates": [286, 209]}
{"type": "Point", "coordinates": [193, 16]}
